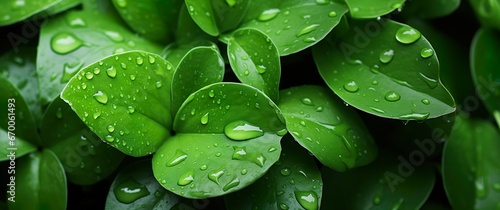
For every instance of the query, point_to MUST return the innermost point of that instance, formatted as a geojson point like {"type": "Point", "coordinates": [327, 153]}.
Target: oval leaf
{"type": "Point", "coordinates": [372, 9]}
{"type": "Point", "coordinates": [42, 175]}
{"type": "Point", "coordinates": [294, 25]}
{"type": "Point", "coordinates": [294, 182]}
{"type": "Point", "coordinates": [389, 70]}
{"type": "Point", "coordinates": [322, 124]}
{"type": "Point", "coordinates": [255, 60]}
{"type": "Point", "coordinates": [125, 100]}
{"type": "Point", "coordinates": [14, 11]}
{"type": "Point", "coordinates": [471, 171]}
{"type": "Point", "coordinates": [76, 39]}
{"type": "Point", "coordinates": [226, 139]}
{"type": "Point", "coordinates": [200, 66]}
{"type": "Point", "coordinates": [85, 158]}
{"type": "Point", "coordinates": [387, 183]}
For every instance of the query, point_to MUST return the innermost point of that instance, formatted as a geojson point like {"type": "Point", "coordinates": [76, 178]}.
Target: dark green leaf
{"type": "Point", "coordinates": [371, 9]}
{"type": "Point", "coordinates": [14, 11]}
{"type": "Point", "coordinates": [387, 183]}
{"type": "Point", "coordinates": [227, 137]}
{"type": "Point", "coordinates": [19, 148]}
{"type": "Point", "coordinates": [85, 158]}
{"type": "Point", "coordinates": [485, 51]}
{"type": "Point", "coordinates": [41, 177]}
{"type": "Point", "coordinates": [487, 12]}
{"type": "Point", "coordinates": [125, 100]}
{"type": "Point", "coordinates": [200, 66]}
{"type": "Point", "coordinates": [174, 52]}
{"type": "Point", "coordinates": [187, 30]}
{"type": "Point", "coordinates": [255, 60]}
{"type": "Point", "coordinates": [471, 170]}
{"type": "Point", "coordinates": [322, 124]}
{"type": "Point", "coordinates": [294, 182]}
{"type": "Point", "coordinates": [385, 68]}
{"type": "Point", "coordinates": [294, 25]}
{"type": "Point", "coordinates": [427, 9]}
{"type": "Point", "coordinates": [75, 40]}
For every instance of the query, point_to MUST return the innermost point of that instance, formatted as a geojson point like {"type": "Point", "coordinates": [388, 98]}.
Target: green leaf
{"type": "Point", "coordinates": [62, 6]}
{"type": "Point", "coordinates": [75, 40]}
{"type": "Point", "coordinates": [361, 9]}
{"type": "Point", "coordinates": [200, 66]}
{"type": "Point", "coordinates": [485, 51]}
{"type": "Point", "coordinates": [187, 30]}
{"type": "Point", "coordinates": [294, 25]}
{"type": "Point", "coordinates": [125, 100]}
{"type": "Point", "coordinates": [387, 183]}
{"type": "Point", "coordinates": [388, 70]}
{"type": "Point", "coordinates": [322, 124]}
{"type": "Point", "coordinates": [226, 139]}
{"type": "Point", "coordinates": [294, 182]}
{"type": "Point", "coordinates": [20, 148]}
{"type": "Point", "coordinates": [429, 9]}
{"type": "Point", "coordinates": [85, 158]}
{"type": "Point", "coordinates": [217, 16]}
{"type": "Point", "coordinates": [487, 12]}
{"type": "Point", "coordinates": [14, 11]}
{"type": "Point", "coordinates": [471, 171]}
{"type": "Point", "coordinates": [174, 52]}
{"type": "Point", "coordinates": [159, 23]}
{"type": "Point", "coordinates": [42, 176]}
{"type": "Point", "coordinates": [255, 60]}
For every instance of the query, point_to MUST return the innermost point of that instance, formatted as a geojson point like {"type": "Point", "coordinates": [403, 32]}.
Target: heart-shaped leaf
{"type": "Point", "coordinates": [322, 124]}
{"type": "Point", "coordinates": [471, 171]}
{"type": "Point", "coordinates": [294, 182]}
{"type": "Point", "coordinates": [200, 66]}
{"type": "Point", "coordinates": [485, 51]}
{"type": "Point", "coordinates": [428, 9]}
{"type": "Point", "coordinates": [371, 9]}
{"type": "Point", "coordinates": [255, 60]}
{"type": "Point", "coordinates": [294, 25]}
{"type": "Point", "coordinates": [387, 183]}
{"type": "Point", "coordinates": [217, 16]}
{"type": "Point", "coordinates": [385, 68]}
{"type": "Point", "coordinates": [159, 23]}
{"type": "Point", "coordinates": [75, 40]}
{"type": "Point", "coordinates": [226, 139]}
{"type": "Point", "coordinates": [14, 11]}
{"type": "Point", "coordinates": [487, 12]}
{"type": "Point", "coordinates": [174, 52]}
{"type": "Point", "coordinates": [125, 100]}
{"type": "Point", "coordinates": [42, 175]}
{"type": "Point", "coordinates": [85, 158]}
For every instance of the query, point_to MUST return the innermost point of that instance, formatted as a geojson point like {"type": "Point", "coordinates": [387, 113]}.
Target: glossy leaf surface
{"type": "Point", "coordinates": [14, 11]}
{"type": "Point", "coordinates": [371, 9]}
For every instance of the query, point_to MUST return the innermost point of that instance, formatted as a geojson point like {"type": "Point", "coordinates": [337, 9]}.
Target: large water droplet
{"type": "Point", "coordinates": [139, 60]}
{"type": "Point", "coordinates": [114, 36]}
{"type": "Point", "coordinates": [111, 72]}
{"type": "Point", "coordinates": [307, 30]}
{"type": "Point", "coordinates": [110, 128]}
{"type": "Point", "coordinates": [392, 96]}
{"type": "Point", "coordinates": [89, 75]}
{"type": "Point", "coordinates": [269, 14]}
{"type": "Point", "coordinates": [63, 43]}
{"type": "Point", "coordinates": [307, 199]}
{"type": "Point", "coordinates": [407, 35]}
{"type": "Point", "coordinates": [204, 119]}
{"type": "Point", "coordinates": [425, 101]}
{"type": "Point", "coordinates": [233, 183]}
{"type": "Point", "coordinates": [351, 87]}
{"type": "Point", "coordinates": [129, 191]}
{"type": "Point", "coordinates": [101, 97]}
{"type": "Point", "coordinates": [432, 83]}
{"type": "Point", "coordinates": [307, 101]}
{"type": "Point", "coordinates": [426, 52]}
{"type": "Point", "coordinates": [415, 116]}
{"type": "Point", "coordinates": [215, 175]}
{"type": "Point", "coordinates": [386, 56]}
{"type": "Point", "coordinates": [130, 109]}
{"type": "Point", "coordinates": [109, 138]}
{"type": "Point", "coordinates": [186, 178]}
{"type": "Point", "coordinates": [332, 14]}
{"type": "Point", "coordinates": [178, 158]}
{"type": "Point", "coordinates": [242, 130]}
{"type": "Point", "coordinates": [151, 59]}
{"type": "Point", "coordinates": [69, 71]}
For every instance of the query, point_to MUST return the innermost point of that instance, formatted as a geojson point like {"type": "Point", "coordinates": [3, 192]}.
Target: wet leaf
{"type": "Point", "coordinates": [361, 9]}
{"type": "Point", "coordinates": [322, 124]}
{"type": "Point", "coordinates": [294, 182]}
{"type": "Point", "coordinates": [226, 139]}
{"type": "Point", "coordinates": [255, 61]}
{"type": "Point", "coordinates": [389, 72]}
{"type": "Point", "coordinates": [174, 52]}
{"type": "Point", "coordinates": [125, 100]}
{"type": "Point", "coordinates": [14, 11]}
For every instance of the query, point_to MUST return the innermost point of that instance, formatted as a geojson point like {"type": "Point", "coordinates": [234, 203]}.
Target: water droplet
{"type": "Point", "coordinates": [307, 101]}
{"type": "Point", "coordinates": [332, 14]}
{"type": "Point", "coordinates": [63, 43]}
{"type": "Point", "coordinates": [109, 138]}
{"type": "Point", "coordinates": [377, 110]}
{"type": "Point", "coordinates": [425, 101]}
{"type": "Point", "coordinates": [233, 183]}
{"type": "Point", "coordinates": [186, 178]}
{"type": "Point", "coordinates": [204, 119]}
{"type": "Point", "coordinates": [139, 60]}
{"type": "Point", "coordinates": [285, 172]}
{"type": "Point", "coordinates": [101, 97]}
{"type": "Point", "coordinates": [374, 82]}
{"type": "Point", "coordinates": [211, 94]}
{"type": "Point", "coordinates": [89, 75]}
{"type": "Point", "coordinates": [426, 52]}
{"type": "Point", "coordinates": [70, 70]}
{"type": "Point", "coordinates": [244, 171]}
{"type": "Point", "coordinates": [123, 65]}
{"type": "Point", "coordinates": [261, 69]}
{"type": "Point", "coordinates": [130, 109]}
{"type": "Point", "coordinates": [129, 191]}
{"type": "Point", "coordinates": [307, 199]}
{"type": "Point", "coordinates": [114, 36]}
{"type": "Point", "coordinates": [177, 158]}
{"type": "Point", "coordinates": [386, 56]}
{"type": "Point", "coordinates": [432, 83]}
{"type": "Point", "coordinates": [407, 35]}
{"type": "Point", "coordinates": [97, 114]}
{"type": "Point", "coordinates": [322, 2]}
{"type": "Point", "coordinates": [242, 130]}
{"type": "Point", "coordinates": [307, 30]}
{"type": "Point", "coordinates": [59, 113]}
{"type": "Point", "coordinates": [121, 3]}
{"type": "Point", "coordinates": [282, 132]}
{"type": "Point", "coordinates": [415, 116]}
{"type": "Point", "coordinates": [246, 73]}
{"type": "Point", "coordinates": [215, 175]}
{"type": "Point", "coordinates": [203, 167]}
{"type": "Point", "coordinates": [283, 206]}
{"type": "Point", "coordinates": [392, 96]}
{"type": "Point", "coordinates": [351, 87]}
{"type": "Point", "coordinates": [269, 14]}
{"type": "Point", "coordinates": [132, 77]}
{"type": "Point", "coordinates": [110, 128]}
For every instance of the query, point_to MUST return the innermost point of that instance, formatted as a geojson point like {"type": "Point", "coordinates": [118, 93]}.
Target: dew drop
{"type": "Point", "coordinates": [432, 83]}
{"type": "Point", "coordinates": [111, 72]}
{"type": "Point", "coordinates": [215, 175]}
{"type": "Point", "coordinates": [261, 69]}
{"type": "Point", "coordinates": [132, 77]}
{"type": "Point", "coordinates": [307, 30]}
{"type": "Point", "coordinates": [392, 96]}
{"type": "Point", "coordinates": [97, 114]}
{"type": "Point", "coordinates": [386, 56]}
{"type": "Point", "coordinates": [351, 87]}
{"type": "Point", "coordinates": [233, 183]}
{"type": "Point", "coordinates": [89, 75]}
{"type": "Point", "coordinates": [130, 109]}
{"type": "Point", "coordinates": [407, 35]}
{"type": "Point", "coordinates": [139, 60]}
{"type": "Point", "coordinates": [307, 199]}
{"type": "Point", "coordinates": [110, 128]}
{"type": "Point", "coordinates": [268, 15]}
{"type": "Point", "coordinates": [332, 14]}
{"type": "Point", "coordinates": [186, 178]}
{"type": "Point", "coordinates": [242, 130]}
{"type": "Point", "coordinates": [244, 171]}
{"type": "Point", "coordinates": [425, 101]}
{"type": "Point", "coordinates": [151, 59]}
{"type": "Point", "coordinates": [129, 191]}
{"type": "Point", "coordinates": [204, 119]}
{"type": "Point", "coordinates": [285, 172]}
{"type": "Point", "coordinates": [109, 138]}
{"type": "Point", "coordinates": [158, 84]}
{"type": "Point", "coordinates": [123, 65]}
{"type": "Point", "coordinates": [426, 52]}
{"type": "Point", "coordinates": [415, 116]}
{"type": "Point", "coordinates": [101, 97]}
{"type": "Point", "coordinates": [307, 101]}
{"type": "Point", "coordinates": [63, 43]}
{"type": "Point", "coordinates": [114, 36]}
{"type": "Point", "coordinates": [178, 158]}
{"type": "Point", "coordinates": [203, 167]}
{"type": "Point", "coordinates": [211, 94]}
{"type": "Point", "coordinates": [283, 206]}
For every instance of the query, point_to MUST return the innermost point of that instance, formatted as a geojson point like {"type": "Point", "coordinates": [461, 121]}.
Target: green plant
{"type": "Point", "coordinates": [249, 104]}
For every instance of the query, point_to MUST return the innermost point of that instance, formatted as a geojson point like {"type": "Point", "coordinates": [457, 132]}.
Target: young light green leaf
{"type": "Point", "coordinates": [389, 72]}
{"type": "Point", "coordinates": [42, 175]}
{"type": "Point", "coordinates": [487, 12]}
{"type": "Point", "coordinates": [387, 183]}
{"type": "Point", "coordinates": [75, 40]}
{"type": "Point", "coordinates": [485, 50]}
{"type": "Point", "coordinates": [294, 182]}
{"type": "Point", "coordinates": [471, 171]}
{"type": "Point", "coordinates": [14, 11]}
{"type": "Point", "coordinates": [125, 100]}
{"type": "Point", "coordinates": [200, 66]}
{"type": "Point", "coordinates": [12, 151]}
{"type": "Point", "coordinates": [429, 9]}
{"type": "Point", "coordinates": [159, 23]}
{"type": "Point", "coordinates": [227, 137]}
{"type": "Point", "coordinates": [85, 158]}
{"type": "Point", "coordinates": [255, 60]}
{"type": "Point", "coordinates": [322, 124]}
{"type": "Point", "coordinates": [174, 52]}
{"type": "Point", "coordinates": [361, 9]}
{"type": "Point", "coordinates": [294, 25]}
